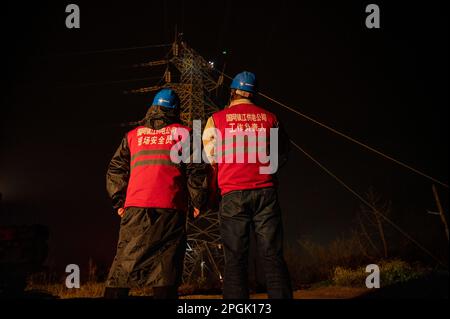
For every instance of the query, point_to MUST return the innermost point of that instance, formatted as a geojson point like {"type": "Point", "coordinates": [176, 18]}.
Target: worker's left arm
{"type": "Point", "coordinates": [118, 174]}
{"type": "Point", "coordinates": [197, 184]}
{"type": "Point", "coordinates": [196, 175]}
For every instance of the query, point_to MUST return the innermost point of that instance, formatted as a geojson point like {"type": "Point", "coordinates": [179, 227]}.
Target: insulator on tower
{"type": "Point", "coordinates": [168, 77]}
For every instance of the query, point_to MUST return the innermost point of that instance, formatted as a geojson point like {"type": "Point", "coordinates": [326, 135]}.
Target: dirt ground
{"type": "Point", "coordinates": [313, 293]}
{"type": "Point", "coordinates": [95, 290]}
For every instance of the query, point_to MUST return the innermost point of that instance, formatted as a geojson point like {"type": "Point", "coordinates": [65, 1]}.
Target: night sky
{"type": "Point", "coordinates": [60, 115]}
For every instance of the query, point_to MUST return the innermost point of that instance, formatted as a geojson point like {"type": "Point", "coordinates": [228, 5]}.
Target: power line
{"type": "Point", "coordinates": [120, 49]}
{"type": "Point", "coordinates": [351, 139]}
{"type": "Point", "coordinates": [363, 200]}
{"type": "Point", "coordinates": [115, 82]}
{"type": "Point", "coordinates": [358, 142]}
{"type": "Point", "coordinates": [347, 187]}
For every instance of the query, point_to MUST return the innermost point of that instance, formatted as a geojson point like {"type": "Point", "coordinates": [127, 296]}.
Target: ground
{"type": "Point", "coordinates": [95, 290]}
{"type": "Point", "coordinates": [331, 292]}
{"type": "Point", "coordinates": [433, 285]}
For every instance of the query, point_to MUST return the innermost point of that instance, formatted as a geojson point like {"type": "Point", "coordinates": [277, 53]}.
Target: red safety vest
{"type": "Point", "coordinates": [155, 180]}
{"type": "Point", "coordinates": [242, 119]}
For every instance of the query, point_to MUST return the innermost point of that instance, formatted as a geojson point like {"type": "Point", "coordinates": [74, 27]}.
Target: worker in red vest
{"type": "Point", "coordinates": [248, 188]}
{"type": "Point", "coordinates": [150, 193]}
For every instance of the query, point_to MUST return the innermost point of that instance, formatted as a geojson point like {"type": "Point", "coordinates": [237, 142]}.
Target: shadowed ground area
{"type": "Point", "coordinates": [430, 285]}
{"type": "Point", "coordinates": [315, 293]}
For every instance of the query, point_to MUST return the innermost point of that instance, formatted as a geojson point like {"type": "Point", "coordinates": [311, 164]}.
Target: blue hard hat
{"type": "Point", "coordinates": [245, 81]}
{"type": "Point", "coordinates": [166, 98]}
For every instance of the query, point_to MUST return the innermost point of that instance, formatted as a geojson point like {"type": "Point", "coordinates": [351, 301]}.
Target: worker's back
{"type": "Point", "coordinates": [240, 151]}
{"type": "Point", "coordinates": [155, 180]}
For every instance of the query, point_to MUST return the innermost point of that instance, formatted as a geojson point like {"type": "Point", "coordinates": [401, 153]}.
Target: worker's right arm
{"type": "Point", "coordinates": [118, 174]}
{"type": "Point", "coordinates": [209, 139]}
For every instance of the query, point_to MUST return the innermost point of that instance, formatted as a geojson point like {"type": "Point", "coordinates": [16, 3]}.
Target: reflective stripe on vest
{"type": "Point", "coordinates": [244, 149]}
{"type": "Point", "coordinates": [163, 159]}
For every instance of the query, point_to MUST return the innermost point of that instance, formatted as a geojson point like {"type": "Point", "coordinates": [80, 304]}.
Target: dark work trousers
{"type": "Point", "coordinates": [239, 210]}
{"type": "Point", "coordinates": [150, 251]}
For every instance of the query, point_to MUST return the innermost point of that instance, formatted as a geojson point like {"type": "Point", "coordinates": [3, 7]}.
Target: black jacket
{"type": "Point", "coordinates": [118, 172]}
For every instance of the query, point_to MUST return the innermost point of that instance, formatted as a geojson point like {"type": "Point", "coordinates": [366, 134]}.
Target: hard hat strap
{"type": "Point", "coordinates": [243, 93]}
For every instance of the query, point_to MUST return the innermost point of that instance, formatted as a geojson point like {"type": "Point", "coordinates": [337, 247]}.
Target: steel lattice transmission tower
{"type": "Point", "coordinates": [197, 80]}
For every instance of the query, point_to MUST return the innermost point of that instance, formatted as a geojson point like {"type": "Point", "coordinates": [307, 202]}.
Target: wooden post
{"type": "Point", "coordinates": [441, 210]}
{"type": "Point", "coordinates": [381, 231]}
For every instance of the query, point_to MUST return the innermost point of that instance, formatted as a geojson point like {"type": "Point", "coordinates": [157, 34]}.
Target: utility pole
{"type": "Point", "coordinates": [441, 210]}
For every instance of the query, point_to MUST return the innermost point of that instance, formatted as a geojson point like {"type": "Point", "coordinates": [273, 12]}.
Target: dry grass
{"type": "Point", "coordinates": [391, 272]}
{"type": "Point", "coordinates": [310, 262]}
{"type": "Point", "coordinates": [95, 290]}
{"type": "Point", "coordinates": [87, 290]}
{"type": "Point", "coordinates": [340, 263]}
{"type": "Point", "coordinates": [90, 289]}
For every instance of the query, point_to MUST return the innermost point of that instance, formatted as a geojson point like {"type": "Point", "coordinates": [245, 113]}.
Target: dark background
{"type": "Point", "coordinates": [60, 114]}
